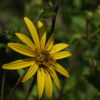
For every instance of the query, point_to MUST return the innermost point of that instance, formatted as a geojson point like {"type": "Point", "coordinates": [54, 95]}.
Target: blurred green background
{"type": "Point", "coordinates": [77, 23]}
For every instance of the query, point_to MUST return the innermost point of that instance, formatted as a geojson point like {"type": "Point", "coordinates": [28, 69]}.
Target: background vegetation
{"type": "Point", "coordinates": [77, 23]}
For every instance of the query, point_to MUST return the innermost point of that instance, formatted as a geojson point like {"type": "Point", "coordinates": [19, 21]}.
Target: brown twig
{"type": "Point", "coordinates": [94, 33]}
{"type": "Point", "coordinates": [30, 89]}
{"type": "Point", "coordinates": [2, 86]}
{"type": "Point", "coordinates": [14, 88]}
{"type": "Point", "coordinates": [56, 8]}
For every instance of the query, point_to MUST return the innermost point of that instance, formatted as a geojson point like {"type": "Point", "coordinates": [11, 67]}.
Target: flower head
{"type": "Point", "coordinates": [42, 58]}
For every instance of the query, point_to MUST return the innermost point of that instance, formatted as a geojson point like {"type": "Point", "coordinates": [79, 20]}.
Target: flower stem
{"type": "Point", "coordinates": [61, 92]}
{"type": "Point", "coordinates": [14, 88]}
{"type": "Point", "coordinates": [2, 86]}
{"type": "Point", "coordinates": [56, 8]}
{"type": "Point", "coordinates": [94, 69]}
{"type": "Point", "coordinates": [30, 89]}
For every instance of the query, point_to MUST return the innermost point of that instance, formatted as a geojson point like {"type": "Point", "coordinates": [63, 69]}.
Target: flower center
{"type": "Point", "coordinates": [43, 57]}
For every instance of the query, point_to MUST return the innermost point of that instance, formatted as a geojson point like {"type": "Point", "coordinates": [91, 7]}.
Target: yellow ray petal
{"type": "Point", "coordinates": [31, 71]}
{"type": "Point", "coordinates": [58, 47]}
{"type": "Point", "coordinates": [60, 69]}
{"type": "Point", "coordinates": [48, 85]}
{"type": "Point", "coordinates": [50, 42]}
{"type": "Point", "coordinates": [61, 55]}
{"type": "Point", "coordinates": [33, 31]}
{"type": "Point", "coordinates": [40, 81]}
{"type": "Point", "coordinates": [54, 76]}
{"type": "Point", "coordinates": [42, 34]}
{"type": "Point", "coordinates": [23, 63]}
{"type": "Point", "coordinates": [26, 40]}
{"type": "Point", "coordinates": [22, 49]}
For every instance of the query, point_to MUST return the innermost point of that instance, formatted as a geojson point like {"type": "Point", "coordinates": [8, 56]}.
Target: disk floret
{"type": "Point", "coordinates": [43, 57]}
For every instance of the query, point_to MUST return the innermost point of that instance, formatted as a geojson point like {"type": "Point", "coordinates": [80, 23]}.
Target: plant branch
{"type": "Point", "coordinates": [14, 88]}
{"type": "Point", "coordinates": [56, 8]}
{"type": "Point", "coordinates": [30, 89]}
{"type": "Point", "coordinates": [2, 85]}
{"type": "Point", "coordinates": [61, 90]}
{"type": "Point", "coordinates": [94, 33]}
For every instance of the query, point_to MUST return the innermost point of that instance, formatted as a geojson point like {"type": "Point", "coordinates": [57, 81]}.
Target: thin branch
{"type": "Point", "coordinates": [56, 8]}
{"type": "Point", "coordinates": [14, 88]}
{"type": "Point", "coordinates": [30, 89]}
{"type": "Point", "coordinates": [61, 90]}
{"type": "Point", "coordinates": [94, 33]}
{"type": "Point", "coordinates": [2, 85]}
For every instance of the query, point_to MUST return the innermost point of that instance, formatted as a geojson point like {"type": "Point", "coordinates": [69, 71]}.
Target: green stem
{"type": "Point", "coordinates": [61, 90]}
{"type": "Point", "coordinates": [94, 70]}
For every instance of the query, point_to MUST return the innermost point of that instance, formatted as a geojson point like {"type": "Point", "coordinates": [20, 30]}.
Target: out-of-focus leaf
{"type": "Point", "coordinates": [86, 71]}
{"type": "Point", "coordinates": [71, 82]}
{"type": "Point", "coordinates": [21, 72]}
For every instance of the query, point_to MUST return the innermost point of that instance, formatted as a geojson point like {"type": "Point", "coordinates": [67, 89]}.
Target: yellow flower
{"type": "Point", "coordinates": [43, 56]}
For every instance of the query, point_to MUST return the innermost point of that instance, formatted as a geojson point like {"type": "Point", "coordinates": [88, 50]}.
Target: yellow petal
{"type": "Point", "coordinates": [26, 40]}
{"type": "Point", "coordinates": [22, 49]}
{"type": "Point", "coordinates": [48, 85]}
{"type": "Point", "coordinates": [33, 31]}
{"type": "Point", "coordinates": [42, 34]}
{"type": "Point", "coordinates": [40, 81]}
{"type": "Point", "coordinates": [50, 42]}
{"type": "Point", "coordinates": [31, 71]}
{"type": "Point", "coordinates": [61, 55]}
{"type": "Point", "coordinates": [54, 76]}
{"type": "Point", "coordinates": [18, 64]}
{"type": "Point", "coordinates": [60, 69]}
{"type": "Point", "coordinates": [58, 47]}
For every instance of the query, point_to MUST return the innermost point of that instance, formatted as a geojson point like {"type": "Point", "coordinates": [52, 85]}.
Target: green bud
{"type": "Point", "coordinates": [88, 15]}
